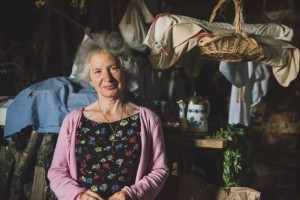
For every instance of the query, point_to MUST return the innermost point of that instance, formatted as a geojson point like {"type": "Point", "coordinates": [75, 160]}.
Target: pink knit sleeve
{"type": "Point", "coordinates": [62, 184]}
{"type": "Point", "coordinates": [153, 170]}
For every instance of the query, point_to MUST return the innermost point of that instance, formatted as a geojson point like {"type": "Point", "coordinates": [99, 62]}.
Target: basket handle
{"type": "Point", "coordinates": [237, 6]}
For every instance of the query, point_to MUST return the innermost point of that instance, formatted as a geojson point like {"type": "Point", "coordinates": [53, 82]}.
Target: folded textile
{"type": "Point", "coordinates": [45, 104]}
{"type": "Point", "coordinates": [172, 36]}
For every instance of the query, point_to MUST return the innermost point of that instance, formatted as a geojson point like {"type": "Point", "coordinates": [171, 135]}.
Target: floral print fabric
{"type": "Point", "coordinates": [106, 161]}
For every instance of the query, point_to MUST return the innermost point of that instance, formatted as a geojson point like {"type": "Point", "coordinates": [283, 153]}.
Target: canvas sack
{"type": "Point", "coordinates": [133, 25]}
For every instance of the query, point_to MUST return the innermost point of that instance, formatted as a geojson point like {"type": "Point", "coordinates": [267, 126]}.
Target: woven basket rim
{"type": "Point", "coordinates": [237, 7]}
{"type": "Point", "coordinates": [237, 44]}
{"type": "Point", "coordinates": [231, 35]}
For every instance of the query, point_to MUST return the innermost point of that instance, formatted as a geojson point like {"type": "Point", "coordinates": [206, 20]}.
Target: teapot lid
{"type": "Point", "coordinates": [195, 99]}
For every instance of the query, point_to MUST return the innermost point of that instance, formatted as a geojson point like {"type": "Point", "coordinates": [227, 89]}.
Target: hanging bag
{"type": "Point", "coordinates": [133, 24]}
{"type": "Point", "coordinates": [231, 47]}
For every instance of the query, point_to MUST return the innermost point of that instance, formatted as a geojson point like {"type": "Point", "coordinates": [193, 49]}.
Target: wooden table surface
{"type": "Point", "coordinates": [188, 141]}
{"type": "Point", "coordinates": [177, 137]}
{"type": "Point", "coordinates": [186, 144]}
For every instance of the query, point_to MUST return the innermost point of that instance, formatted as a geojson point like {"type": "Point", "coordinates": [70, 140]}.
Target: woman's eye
{"type": "Point", "coordinates": [114, 68]}
{"type": "Point", "coordinates": [97, 71]}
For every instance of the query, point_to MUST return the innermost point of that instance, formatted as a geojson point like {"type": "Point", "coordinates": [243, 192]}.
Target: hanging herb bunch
{"type": "Point", "coordinates": [80, 4]}
{"type": "Point", "coordinates": [238, 168]}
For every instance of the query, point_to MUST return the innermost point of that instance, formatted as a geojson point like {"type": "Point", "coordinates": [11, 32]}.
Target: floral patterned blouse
{"type": "Point", "coordinates": [106, 161]}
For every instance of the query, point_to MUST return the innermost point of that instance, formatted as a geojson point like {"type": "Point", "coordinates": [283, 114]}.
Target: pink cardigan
{"type": "Point", "coordinates": [151, 174]}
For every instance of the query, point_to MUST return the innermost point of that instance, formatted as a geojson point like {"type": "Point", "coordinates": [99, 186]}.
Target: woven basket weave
{"type": "Point", "coordinates": [230, 47]}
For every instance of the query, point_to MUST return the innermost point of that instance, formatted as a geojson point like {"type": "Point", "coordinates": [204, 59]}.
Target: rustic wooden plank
{"type": "Point", "coordinates": [44, 158]}
{"type": "Point", "coordinates": [174, 137]}
{"type": "Point", "coordinates": [46, 150]}
{"type": "Point", "coordinates": [6, 169]}
{"type": "Point", "coordinates": [22, 169]}
{"type": "Point", "coordinates": [39, 186]}
{"type": "Point", "coordinates": [195, 142]}
{"type": "Point", "coordinates": [211, 143]}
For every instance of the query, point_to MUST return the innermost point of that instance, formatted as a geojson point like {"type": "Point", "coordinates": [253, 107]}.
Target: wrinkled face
{"type": "Point", "coordinates": [106, 74]}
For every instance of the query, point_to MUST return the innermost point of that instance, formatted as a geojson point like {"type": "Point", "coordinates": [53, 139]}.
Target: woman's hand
{"type": "Point", "coordinates": [90, 195]}
{"type": "Point", "coordinates": [121, 195]}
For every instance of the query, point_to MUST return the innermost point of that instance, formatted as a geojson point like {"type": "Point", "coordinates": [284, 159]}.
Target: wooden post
{"type": "Point", "coordinates": [6, 169]}
{"type": "Point", "coordinates": [39, 186]}
{"type": "Point", "coordinates": [21, 170]}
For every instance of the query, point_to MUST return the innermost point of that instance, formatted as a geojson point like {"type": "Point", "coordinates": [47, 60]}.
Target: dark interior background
{"type": "Point", "coordinates": [38, 39]}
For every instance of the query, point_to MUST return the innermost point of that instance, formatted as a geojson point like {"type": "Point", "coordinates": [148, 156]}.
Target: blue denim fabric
{"type": "Point", "coordinates": [45, 104]}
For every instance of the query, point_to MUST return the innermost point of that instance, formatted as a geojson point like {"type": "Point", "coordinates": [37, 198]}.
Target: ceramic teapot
{"type": "Point", "coordinates": [193, 114]}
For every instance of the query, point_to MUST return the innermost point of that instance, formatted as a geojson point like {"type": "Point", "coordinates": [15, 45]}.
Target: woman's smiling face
{"type": "Point", "coordinates": [106, 74]}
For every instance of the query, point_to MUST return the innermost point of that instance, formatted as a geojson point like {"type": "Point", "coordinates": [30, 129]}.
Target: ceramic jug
{"type": "Point", "coordinates": [193, 114]}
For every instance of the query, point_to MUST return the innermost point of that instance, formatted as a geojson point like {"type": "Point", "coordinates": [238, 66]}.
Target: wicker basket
{"type": "Point", "coordinates": [230, 47]}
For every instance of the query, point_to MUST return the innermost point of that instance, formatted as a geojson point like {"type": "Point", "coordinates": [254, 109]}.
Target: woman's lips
{"type": "Point", "coordinates": [110, 87]}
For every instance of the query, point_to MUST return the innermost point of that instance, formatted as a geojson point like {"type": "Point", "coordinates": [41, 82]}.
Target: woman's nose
{"type": "Point", "coordinates": [106, 75]}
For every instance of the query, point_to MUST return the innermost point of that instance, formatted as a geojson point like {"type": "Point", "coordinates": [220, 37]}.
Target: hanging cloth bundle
{"type": "Point", "coordinates": [133, 25]}
{"type": "Point", "coordinates": [231, 47]}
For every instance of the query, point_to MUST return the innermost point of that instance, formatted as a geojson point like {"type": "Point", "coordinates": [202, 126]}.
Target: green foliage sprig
{"type": "Point", "coordinates": [237, 161]}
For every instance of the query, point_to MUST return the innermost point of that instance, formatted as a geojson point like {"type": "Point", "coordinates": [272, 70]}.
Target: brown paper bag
{"type": "Point", "coordinates": [192, 187]}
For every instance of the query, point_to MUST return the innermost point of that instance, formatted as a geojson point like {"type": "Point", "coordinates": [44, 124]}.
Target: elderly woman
{"type": "Point", "coordinates": [112, 148]}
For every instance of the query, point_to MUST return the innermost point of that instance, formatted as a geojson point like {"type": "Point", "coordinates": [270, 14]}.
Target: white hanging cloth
{"type": "Point", "coordinates": [133, 25]}
{"type": "Point", "coordinates": [74, 67]}
{"type": "Point", "coordinates": [250, 84]}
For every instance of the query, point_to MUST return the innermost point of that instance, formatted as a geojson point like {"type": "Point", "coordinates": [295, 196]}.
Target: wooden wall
{"type": "Point", "coordinates": [41, 41]}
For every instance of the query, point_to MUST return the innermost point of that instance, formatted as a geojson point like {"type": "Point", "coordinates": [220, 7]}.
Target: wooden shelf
{"type": "Point", "coordinates": [195, 142]}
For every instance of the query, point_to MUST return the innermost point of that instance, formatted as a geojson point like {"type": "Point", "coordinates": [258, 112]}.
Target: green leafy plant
{"type": "Point", "coordinates": [237, 163]}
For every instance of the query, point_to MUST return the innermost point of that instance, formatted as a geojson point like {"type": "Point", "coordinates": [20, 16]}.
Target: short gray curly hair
{"type": "Point", "coordinates": [108, 41]}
